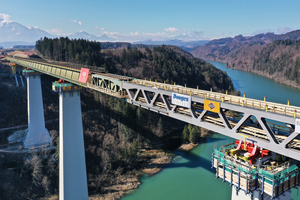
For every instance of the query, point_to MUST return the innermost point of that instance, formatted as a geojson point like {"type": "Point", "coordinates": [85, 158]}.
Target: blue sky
{"type": "Point", "coordinates": [136, 20]}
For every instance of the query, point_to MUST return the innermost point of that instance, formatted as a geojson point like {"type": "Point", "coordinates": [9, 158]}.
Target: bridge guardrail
{"type": "Point", "coordinates": [242, 101]}
{"type": "Point", "coordinates": [278, 108]}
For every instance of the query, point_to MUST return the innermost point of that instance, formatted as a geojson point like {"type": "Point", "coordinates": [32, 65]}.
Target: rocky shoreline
{"type": "Point", "coordinates": [128, 183]}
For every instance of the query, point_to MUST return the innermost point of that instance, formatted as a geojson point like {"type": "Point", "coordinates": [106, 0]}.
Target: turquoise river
{"type": "Point", "coordinates": [189, 175]}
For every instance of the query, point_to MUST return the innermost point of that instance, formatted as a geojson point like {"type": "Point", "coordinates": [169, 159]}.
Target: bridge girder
{"type": "Point", "coordinates": [139, 95]}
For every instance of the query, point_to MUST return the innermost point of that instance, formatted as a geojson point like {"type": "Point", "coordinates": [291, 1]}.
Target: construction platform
{"type": "Point", "coordinates": [250, 168]}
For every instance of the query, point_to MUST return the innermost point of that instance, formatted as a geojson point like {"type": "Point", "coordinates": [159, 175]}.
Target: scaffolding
{"type": "Point", "coordinates": [273, 179]}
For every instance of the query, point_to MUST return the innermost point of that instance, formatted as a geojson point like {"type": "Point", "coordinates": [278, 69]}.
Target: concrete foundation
{"type": "Point", "coordinates": [72, 168]}
{"type": "Point", "coordinates": [241, 195]}
{"type": "Point", "coordinates": [37, 134]}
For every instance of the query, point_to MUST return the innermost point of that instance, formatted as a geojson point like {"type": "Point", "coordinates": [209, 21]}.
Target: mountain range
{"type": "Point", "coordinates": [13, 33]}
{"type": "Point", "coordinates": [225, 49]}
{"type": "Point", "coordinates": [186, 45]}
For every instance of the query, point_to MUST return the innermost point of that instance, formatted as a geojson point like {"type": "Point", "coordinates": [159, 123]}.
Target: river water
{"type": "Point", "coordinates": [190, 175]}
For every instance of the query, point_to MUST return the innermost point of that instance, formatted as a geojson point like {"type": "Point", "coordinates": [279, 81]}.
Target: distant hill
{"type": "Point", "coordinates": [115, 45]}
{"type": "Point", "coordinates": [227, 49]}
{"type": "Point", "coordinates": [12, 44]}
{"type": "Point", "coordinates": [186, 45]}
{"type": "Point", "coordinates": [271, 55]}
{"type": "Point", "coordinates": [24, 46]}
{"type": "Point", "coordinates": [87, 36]}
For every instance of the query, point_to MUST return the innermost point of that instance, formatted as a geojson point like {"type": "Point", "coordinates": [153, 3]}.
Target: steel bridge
{"type": "Point", "coordinates": [270, 125]}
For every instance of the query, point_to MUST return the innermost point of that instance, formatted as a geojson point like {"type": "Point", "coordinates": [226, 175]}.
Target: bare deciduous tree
{"type": "Point", "coordinates": [37, 169]}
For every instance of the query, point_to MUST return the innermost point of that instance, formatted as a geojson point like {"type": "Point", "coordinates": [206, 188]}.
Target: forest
{"type": "Point", "coordinates": [162, 63]}
{"type": "Point", "coordinates": [285, 62]}
{"type": "Point", "coordinates": [117, 135]}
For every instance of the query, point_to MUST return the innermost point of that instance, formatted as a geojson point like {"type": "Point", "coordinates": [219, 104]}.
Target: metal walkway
{"type": "Point", "coordinates": [270, 125]}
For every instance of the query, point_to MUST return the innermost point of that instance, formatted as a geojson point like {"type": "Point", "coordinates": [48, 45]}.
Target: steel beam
{"type": "Point", "coordinates": [272, 145]}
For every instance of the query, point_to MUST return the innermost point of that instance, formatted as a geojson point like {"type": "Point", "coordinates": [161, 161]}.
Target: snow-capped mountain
{"type": "Point", "coordinates": [13, 31]}
{"type": "Point", "coordinates": [87, 36]}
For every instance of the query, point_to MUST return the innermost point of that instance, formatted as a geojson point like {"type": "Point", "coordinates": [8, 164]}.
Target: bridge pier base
{"type": "Point", "coordinates": [256, 195]}
{"type": "Point", "coordinates": [37, 133]}
{"type": "Point", "coordinates": [72, 167]}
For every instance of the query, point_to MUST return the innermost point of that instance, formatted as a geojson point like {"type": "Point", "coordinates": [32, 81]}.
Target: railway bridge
{"type": "Point", "coordinates": [269, 125]}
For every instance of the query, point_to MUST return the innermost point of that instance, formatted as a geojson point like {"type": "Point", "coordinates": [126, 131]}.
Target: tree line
{"type": "Point", "coordinates": [162, 63]}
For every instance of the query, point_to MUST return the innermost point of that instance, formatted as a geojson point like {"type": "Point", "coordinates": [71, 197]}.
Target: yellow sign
{"type": "Point", "coordinates": [212, 106]}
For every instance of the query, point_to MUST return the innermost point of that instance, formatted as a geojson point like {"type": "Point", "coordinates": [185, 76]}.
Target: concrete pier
{"type": "Point", "coordinates": [72, 168]}
{"type": "Point", "coordinates": [37, 134]}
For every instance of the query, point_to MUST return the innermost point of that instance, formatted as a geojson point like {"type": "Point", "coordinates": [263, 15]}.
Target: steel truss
{"type": "Point", "coordinates": [158, 100]}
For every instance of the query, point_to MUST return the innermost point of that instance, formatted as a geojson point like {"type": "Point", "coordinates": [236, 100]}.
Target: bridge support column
{"type": "Point", "coordinates": [72, 168]}
{"type": "Point", "coordinates": [256, 195]}
{"type": "Point", "coordinates": [37, 134]}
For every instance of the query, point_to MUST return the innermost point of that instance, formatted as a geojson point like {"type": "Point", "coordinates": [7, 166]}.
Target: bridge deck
{"type": "Point", "coordinates": [237, 100]}
{"type": "Point", "coordinates": [157, 97]}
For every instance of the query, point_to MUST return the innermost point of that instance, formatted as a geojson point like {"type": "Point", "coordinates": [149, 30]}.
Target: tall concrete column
{"type": "Point", "coordinates": [37, 134]}
{"type": "Point", "coordinates": [72, 168]}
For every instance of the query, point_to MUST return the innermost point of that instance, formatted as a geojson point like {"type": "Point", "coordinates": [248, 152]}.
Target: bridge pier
{"type": "Point", "coordinates": [72, 168]}
{"type": "Point", "coordinates": [37, 134]}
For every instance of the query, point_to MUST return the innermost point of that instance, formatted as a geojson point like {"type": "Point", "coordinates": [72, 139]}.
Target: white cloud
{"type": "Point", "coordinates": [137, 36]}
{"type": "Point", "coordinates": [55, 31]}
{"type": "Point", "coordinates": [171, 30]}
{"type": "Point", "coordinates": [4, 18]}
{"type": "Point", "coordinates": [159, 36]}
{"type": "Point", "coordinates": [76, 21]}
{"type": "Point", "coordinates": [102, 28]}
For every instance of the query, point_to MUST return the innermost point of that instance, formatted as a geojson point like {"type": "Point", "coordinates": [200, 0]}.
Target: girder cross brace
{"type": "Point", "coordinates": [140, 95]}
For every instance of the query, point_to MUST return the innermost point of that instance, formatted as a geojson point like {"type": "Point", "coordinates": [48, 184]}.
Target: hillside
{"type": "Point", "coordinates": [268, 54]}
{"type": "Point", "coordinates": [162, 63]}
{"type": "Point", "coordinates": [226, 49]}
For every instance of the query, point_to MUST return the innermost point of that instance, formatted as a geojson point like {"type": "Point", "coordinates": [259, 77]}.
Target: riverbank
{"type": "Point", "coordinates": [276, 77]}
{"type": "Point", "coordinates": [154, 162]}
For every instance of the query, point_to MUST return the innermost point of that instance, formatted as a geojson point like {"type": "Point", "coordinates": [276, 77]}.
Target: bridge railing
{"type": "Point", "coordinates": [61, 64]}
{"type": "Point", "coordinates": [237, 100]}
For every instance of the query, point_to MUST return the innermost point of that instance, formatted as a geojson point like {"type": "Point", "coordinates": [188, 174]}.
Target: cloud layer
{"type": "Point", "coordinates": [168, 33]}
{"type": "Point", "coordinates": [171, 29]}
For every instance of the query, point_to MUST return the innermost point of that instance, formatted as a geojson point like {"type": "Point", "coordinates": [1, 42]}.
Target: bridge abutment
{"type": "Point", "coordinates": [72, 167]}
{"type": "Point", "coordinates": [37, 133]}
